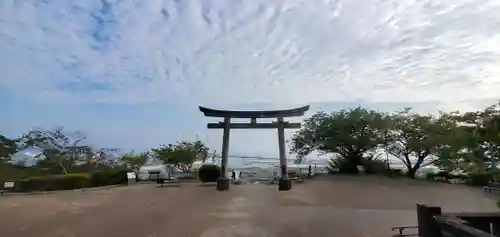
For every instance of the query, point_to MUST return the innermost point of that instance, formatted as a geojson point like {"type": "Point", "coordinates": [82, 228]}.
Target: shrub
{"type": "Point", "coordinates": [371, 166]}
{"type": "Point", "coordinates": [443, 175]}
{"type": "Point", "coordinates": [495, 177]}
{"type": "Point", "coordinates": [109, 177]}
{"type": "Point", "coordinates": [343, 165]}
{"type": "Point", "coordinates": [208, 173]}
{"type": "Point", "coordinates": [100, 178]}
{"type": "Point", "coordinates": [459, 176]}
{"type": "Point", "coordinates": [53, 182]}
{"type": "Point", "coordinates": [430, 175]}
{"type": "Point", "coordinates": [120, 176]}
{"type": "Point", "coordinates": [479, 179]}
{"type": "Point", "coordinates": [395, 172]}
{"type": "Point", "coordinates": [375, 166]}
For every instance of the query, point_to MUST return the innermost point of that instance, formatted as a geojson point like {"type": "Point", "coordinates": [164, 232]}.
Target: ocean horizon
{"type": "Point", "coordinates": [274, 164]}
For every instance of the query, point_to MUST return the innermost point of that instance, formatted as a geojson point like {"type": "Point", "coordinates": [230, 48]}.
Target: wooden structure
{"type": "Point", "coordinates": [279, 124]}
{"type": "Point", "coordinates": [433, 223]}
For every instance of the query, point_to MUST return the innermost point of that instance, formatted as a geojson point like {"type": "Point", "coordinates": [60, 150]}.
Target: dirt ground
{"type": "Point", "coordinates": [334, 206]}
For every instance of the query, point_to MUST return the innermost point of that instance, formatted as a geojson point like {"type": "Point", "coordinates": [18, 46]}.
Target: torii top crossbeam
{"type": "Point", "coordinates": [254, 114]}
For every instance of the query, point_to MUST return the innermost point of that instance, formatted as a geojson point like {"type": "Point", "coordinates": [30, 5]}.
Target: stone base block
{"type": "Point", "coordinates": [223, 184]}
{"type": "Point", "coordinates": [285, 184]}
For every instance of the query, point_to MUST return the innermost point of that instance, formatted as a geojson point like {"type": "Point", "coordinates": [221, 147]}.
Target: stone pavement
{"type": "Point", "coordinates": [340, 206]}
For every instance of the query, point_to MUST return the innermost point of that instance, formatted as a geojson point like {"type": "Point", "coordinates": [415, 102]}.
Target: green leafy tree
{"type": "Point", "coordinates": [414, 139]}
{"type": "Point", "coordinates": [135, 161]}
{"type": "Point", "coordinates": [385, 138]}
{"type": "Point", "coordinates": [348, 134]}
{"type": "Point", "coordinates": [487, 132]}
{"type": "Point", "coordinates": [482, 130]}
{"type": "Point", "coordinates": [453, 153]}
{"type": "Point", "coordinates": [182, 155]}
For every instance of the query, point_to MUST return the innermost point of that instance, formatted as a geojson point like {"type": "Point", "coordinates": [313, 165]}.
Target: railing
{"type": "Point", "coordinates": [453, 226]}
{"type": "Point", "coordinates": [433, 223]}
{"type": "Point", "coordinates": [487, 222]}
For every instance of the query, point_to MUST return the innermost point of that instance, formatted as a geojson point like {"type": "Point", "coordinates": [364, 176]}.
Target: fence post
{"type": "Point", "coordinates": [495, 224]}
{"type": "Point", "coordinates": [479, 223]}
{"type": "Point", "coordinates": [426, 224]}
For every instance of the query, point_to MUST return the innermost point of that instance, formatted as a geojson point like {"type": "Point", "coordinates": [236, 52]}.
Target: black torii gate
{"type": "Point", "coordinates": [280, 125]}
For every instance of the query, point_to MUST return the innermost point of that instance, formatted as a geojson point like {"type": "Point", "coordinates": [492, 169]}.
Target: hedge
{"type": "Point", "coordinates": [375, 167]}
{"type": "Point", "coordinates": [479, 179]}
{"type": "Point", "coordinates": [371, 166]}
{"type": "Point", "coordinates": [53, 182]}
{"type": "Point", "coordinates": [72, 181]}
{"type": "Point", "coordinates": [208, 173]}
{"type": "Point", "coordinates": [109, 177]}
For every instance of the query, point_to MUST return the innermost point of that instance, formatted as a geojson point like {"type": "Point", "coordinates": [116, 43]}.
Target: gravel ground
{"type": "Point", "coordinates": [332, 206]}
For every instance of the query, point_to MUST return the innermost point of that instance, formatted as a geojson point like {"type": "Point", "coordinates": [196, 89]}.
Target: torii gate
{"type": "Point", "coordinates": [280, 124]}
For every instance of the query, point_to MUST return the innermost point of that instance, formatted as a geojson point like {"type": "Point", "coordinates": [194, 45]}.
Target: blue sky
{"type": "Point", "coordinates": [130, 74]}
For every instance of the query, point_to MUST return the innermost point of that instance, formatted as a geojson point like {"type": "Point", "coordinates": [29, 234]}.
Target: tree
{"type": "Point", "coordinates": [201, 150]}
{"type": "Point", "coordinates": [135, 162]}
{"type": "Point", "coordinates": [59, 147]}
{"type": "Point", "coordinates": [348, 134]}
{"type": "Point", "coordinates": [182, 155]}
{"type": "Point", "coordinates": [413, 139]}
{"type": "Point", "coordinates": [487, 133]}
{"type": "Point", "coordinates": [457, 142]}
{"type": "Point", "coordinates": [104, 156]}
{"type": "Point", "coordinates": [482, 132]}
{"type": "Point", "coordinates": [385, 138]}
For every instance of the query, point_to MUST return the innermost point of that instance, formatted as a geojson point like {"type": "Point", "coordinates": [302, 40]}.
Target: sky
{"type": "Point", "coordinates": [131, 74]}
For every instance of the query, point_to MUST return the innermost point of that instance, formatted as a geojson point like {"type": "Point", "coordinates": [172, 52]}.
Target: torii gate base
{"type": "Point", "coordinates": [223, 182]}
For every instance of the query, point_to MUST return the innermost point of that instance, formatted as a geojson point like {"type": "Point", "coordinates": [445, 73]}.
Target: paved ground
{"type": "Point", "coordinates": [341, 206]}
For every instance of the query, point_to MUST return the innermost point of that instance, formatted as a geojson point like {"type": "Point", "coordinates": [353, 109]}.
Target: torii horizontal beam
{"type": "Point", "coordinates": [253, 125]}
{"type": "Point", "coordinates": [254, 114]}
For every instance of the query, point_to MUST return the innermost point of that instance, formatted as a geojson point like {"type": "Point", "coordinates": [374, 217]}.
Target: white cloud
{"type": "Point", "coordinates": [434, 54]}
{"type": "Point", "coordinates": [228, 52]}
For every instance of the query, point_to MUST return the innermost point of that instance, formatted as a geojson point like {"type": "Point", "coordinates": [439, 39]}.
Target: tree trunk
{"type": "Point", "coordinates": [354, 160]}
{"type": "Point", "coordinates": [411, 172]}
{"type": "Point", "coordinates": [63, 169]}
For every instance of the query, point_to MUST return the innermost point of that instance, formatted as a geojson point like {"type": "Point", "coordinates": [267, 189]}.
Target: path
{"type": "Point", "coordinates": [344, 206]}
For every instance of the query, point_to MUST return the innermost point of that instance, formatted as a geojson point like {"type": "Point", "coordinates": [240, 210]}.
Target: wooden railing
{"type": "Point", "coordinates": [487, 222]}
{"type": "Point", "coordinates": [453, 226]}
{"type": "Point", "coordinates": [433, 223]}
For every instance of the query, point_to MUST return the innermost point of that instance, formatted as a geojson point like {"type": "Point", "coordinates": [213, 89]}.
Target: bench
{"type": "Point", "coordinates": [492, 186]}
{"type": "Point", "coordinates": [1, 192]}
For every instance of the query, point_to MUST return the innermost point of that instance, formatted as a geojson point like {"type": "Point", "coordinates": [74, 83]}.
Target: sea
{"type": "Point", "coordinates": [265, 170]}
